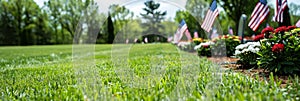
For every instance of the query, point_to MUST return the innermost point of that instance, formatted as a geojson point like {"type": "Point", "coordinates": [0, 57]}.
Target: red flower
{"type": "Point", "coordinates": [259, 37]}
{"type": "Point", "coordinates": [278, 47]}
{"type": "Point", "coordinates": [225, 36]}
{"type": "Point", "coordinates": [205, 46]}
{"type": "Point", "coordinates": [268, 29]}
{"type": "Point", "coordinates": [281, 29]}
{"type": "Point", "coordinates": [291, 27]}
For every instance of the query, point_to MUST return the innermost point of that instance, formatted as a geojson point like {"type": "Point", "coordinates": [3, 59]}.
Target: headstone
{"type": "Point", "coordinates": [242, 25]}
{"type": "Point", "coordinates": [214, 33]}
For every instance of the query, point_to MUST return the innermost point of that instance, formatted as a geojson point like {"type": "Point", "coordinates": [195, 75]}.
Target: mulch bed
{"type": "Point", "coordinates": [230, 63]}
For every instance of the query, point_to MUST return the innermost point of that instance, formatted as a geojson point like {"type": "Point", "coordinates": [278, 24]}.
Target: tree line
{"type": "Point", "coordinates": [24, 22]}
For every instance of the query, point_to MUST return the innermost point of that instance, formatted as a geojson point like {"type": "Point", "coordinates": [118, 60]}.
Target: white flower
{"type": "Point", "coordinates": [197, 47]}
{"type": "Point", "coordinates": [245, 50]}
{"type": "Point", "coordinates": [237, 52]}
{"type": "Point", "coordinates": [241, 46]}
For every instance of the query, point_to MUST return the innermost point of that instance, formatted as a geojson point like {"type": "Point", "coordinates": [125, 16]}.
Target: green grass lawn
{"type": "Point", "coordinates": [125, 72]}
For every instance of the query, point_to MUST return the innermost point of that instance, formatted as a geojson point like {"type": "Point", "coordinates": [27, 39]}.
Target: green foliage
{"type": "Point", "coordinates": [222, 46]}
{"type": "Point", "coordinates": [192, 23]}
{"type": "Point", "coordinates": [285, 61]}
{"type": "Point", "coordinates": [121, 17]}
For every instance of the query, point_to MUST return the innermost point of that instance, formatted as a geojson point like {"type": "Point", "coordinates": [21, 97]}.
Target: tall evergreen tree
{"type": "Point", "coordinates": [110, 30]}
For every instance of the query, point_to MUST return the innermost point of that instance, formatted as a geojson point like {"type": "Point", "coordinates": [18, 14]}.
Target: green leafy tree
{"type": "Point", "coordinates": [120, 16]}
{"type": "Point", "coordinates": [20, 17]}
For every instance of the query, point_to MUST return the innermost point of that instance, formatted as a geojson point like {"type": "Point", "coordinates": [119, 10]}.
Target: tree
{"type": "Point", "coordinates": [197, 8]}
{"type": "Point", "coordinates": [120, 16]}
{"type": "Point", "coordinates": [18, 18]}
{"type": "Point", "coordinates": [110, 30]}
{"type": "Point", "coordinates": [153, 18]}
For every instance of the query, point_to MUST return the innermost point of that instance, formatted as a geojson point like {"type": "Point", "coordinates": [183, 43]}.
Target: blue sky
{"type": "Point", "coordinates": [171, 6]}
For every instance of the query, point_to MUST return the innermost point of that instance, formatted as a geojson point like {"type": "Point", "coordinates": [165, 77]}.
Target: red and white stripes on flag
{"type": "Point", "coordinates": [281, 5]}
{"type": "Point", "coordinates": [188, 35]}
{"type": "Point", "coordinates": [210, 17]}
{"type": "Point", "coordinates": [259, 14]}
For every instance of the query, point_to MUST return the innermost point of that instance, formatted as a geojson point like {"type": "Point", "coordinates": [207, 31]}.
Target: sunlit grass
{"type": "Point", "coordinates": [152, 72]}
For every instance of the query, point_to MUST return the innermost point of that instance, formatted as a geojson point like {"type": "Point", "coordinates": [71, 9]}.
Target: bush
{"type": "Point", "coordinates": [247, 54]}
{"type": "Point", "coordinates": [280, 51]}
{"type": "Point", "coordinates": [197, 41]}
{"type": "Point", "coordinates": [204, 49]}
{"type": "Point", "coordinates": [217, 44]}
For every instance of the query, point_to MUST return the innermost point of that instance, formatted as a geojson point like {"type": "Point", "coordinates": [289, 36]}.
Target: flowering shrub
{"type": "Point", "coordinates": [204, 49]}
{"type": "Point", "coordinates": [278, 48]}
{"type": "Point", "coordinates": [247, 54]}
{"type": "Point", "coordinates": [280, 54]}
{"type": "Point", "coordinates": [197, 41]}
{"type": "Point", "coordinates": [259, 37]}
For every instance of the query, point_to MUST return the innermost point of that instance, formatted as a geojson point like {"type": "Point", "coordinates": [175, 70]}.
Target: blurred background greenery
{"type": "Point", "coordinates": [25, 22]}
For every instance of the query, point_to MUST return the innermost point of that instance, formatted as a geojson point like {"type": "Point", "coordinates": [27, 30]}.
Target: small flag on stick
{"type": "Point", "coordinates": [210, 17]}
{"type": "Point", "coordinates": [281, 5]}
{"type": "Point", "coordinates": [259, 14]}
{"type": "Point", "coordinates": [188, 35]}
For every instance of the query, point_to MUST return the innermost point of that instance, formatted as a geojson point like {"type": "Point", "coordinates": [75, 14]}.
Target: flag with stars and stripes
{"type": "Point", "coordinates": [281, 5]}
{"type": "Point", "coordinates": [259, 14]}
{"type": "Point", "coordinates": [210, 17]}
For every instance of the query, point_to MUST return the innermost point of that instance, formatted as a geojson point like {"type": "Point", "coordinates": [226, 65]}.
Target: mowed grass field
{"type": "Point", "coordinates": [126, 72]}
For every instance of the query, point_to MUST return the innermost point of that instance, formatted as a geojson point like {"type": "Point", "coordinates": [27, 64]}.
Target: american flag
{"type": "Point", "coordinates": [196, 34]}
{"type": "Point", "coordinates": [176, 36]}
{"type": "Point", "coordinates": [210, 17]}
{"type": "Point", "coordinates": [259, 14]}
{"type": "Point", "coordinates": [279, 9]}
{"type": "Point", "coordinates": [181, 29]}
{"type": "Point", "coordinates": [188, 35]}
